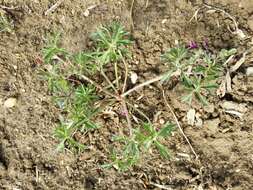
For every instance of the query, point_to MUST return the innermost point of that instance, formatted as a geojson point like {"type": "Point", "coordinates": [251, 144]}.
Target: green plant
{"type": "Point", "coordinates": [141, 141]}
{"type": "Point", "coordinates": [128, 157]}
{"type": "Point", "coordinates": [6, 25]}
{"type": "Point", "coordinates": [198, 70]}
{"type": "Point", "coordinates": [76, 101]}
{"type": "Point", "coordinates": [64, 132]}
{"type": "Point", "coordinates": [111, 42]}
{"type": "Point", "coordinates": [76, 85]}
{"type": "Point", "coordinates": [52, 49]}
{"type": "Point", "coordinates": [82, 109]}
{"type": "Point", "coordinates": [151, 137]}
{"type": "Point", "coordinates": [85, 63]}
{"type": "Point", "coordinates": [80, 116]}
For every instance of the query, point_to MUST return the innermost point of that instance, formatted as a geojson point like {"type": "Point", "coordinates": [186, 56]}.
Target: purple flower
{"type": "Point", "coordinates": [123, 112]}
{"type": "Point", "coordinates": [205, 44]}
{"type": "Point", "coordinates": [193, 45]}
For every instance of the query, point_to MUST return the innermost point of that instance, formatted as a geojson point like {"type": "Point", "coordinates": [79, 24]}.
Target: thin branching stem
{"type": "Point", "coordinates": [148, 82]}
{"type": "Point", "coordinates": [139, 111]}
{"type": "Point", "coordinates": [108, 80]}
{"type": "Point", "coordinates": [116, 74]}
{"type": "Point", "coordinates": [129, 123]}
{"type": "Point", "coordinates": [126, 72]}
{"type": "Point", "coordinates": [98, 86]}
{"type": "Point", "coordinates": [178, 124]}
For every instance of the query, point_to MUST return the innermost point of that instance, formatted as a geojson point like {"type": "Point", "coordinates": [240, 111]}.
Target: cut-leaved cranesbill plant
{"type": "Point", "coordinates": [81, 82]}
{"type": "Point", "coordinates": [67, 77]}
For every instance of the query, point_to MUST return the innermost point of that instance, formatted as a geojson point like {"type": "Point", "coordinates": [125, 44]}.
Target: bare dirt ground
{"type": "Point", "coordinates": [27, 149]}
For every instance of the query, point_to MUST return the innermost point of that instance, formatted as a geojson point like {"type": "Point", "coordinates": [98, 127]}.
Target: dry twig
{"type": "Point", "coordinates": [55, 6]}
{"type": "Point", "coordinates": [131, 14]}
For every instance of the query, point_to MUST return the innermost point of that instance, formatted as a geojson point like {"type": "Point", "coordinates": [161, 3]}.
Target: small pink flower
{"type": "Point", "coordinates": [193, 45]}
{"type": "Point", "coordinates": [123, 112]}
{"type": "Point", "coordinates": [205, 44]}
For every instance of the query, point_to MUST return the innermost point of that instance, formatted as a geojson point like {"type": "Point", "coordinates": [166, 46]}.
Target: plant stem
{"type": "Point", "coordinates": [142, 85]}
{"type": "Point", "coordinates": [178, 124]}
{"type": "Point", "coordinates": [108, 80]}
{"type": "Point", "coordinates": [99, 87]}
{"type": "Point", "coordinates": [126, 72]}
{"type": "Point", "coordinates": [129, 123]}
{"type": "Point", "coordinates": [139, 111]}
{"type": "Point", "coordinates": [116, 74]}
{"type": "Point", "coordinates": [131, 14]}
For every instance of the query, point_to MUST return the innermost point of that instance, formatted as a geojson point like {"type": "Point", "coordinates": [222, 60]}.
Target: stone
{"type": "Point", "coordinates": [10, 102]}
{"type": "Point", "coordinates": [249, 71]}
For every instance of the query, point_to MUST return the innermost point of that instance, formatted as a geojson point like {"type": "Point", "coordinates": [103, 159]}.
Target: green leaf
{"type": "Point", "coordinates": [187, 81]}
{"type": "Point", "coordinates": [147, 143]}
{"type": "Point", "coordinates": [201, 98]}
{"type": "Point", "coordinates": [87, 62]}
{"type": "Point", "coordinates": [52, 49]}
{"type": "Point", "coordinates": [162, 150]}
{"type": "Point", "coordinates": [188, 98]}
{"type": "Point", "coordinates": [149, 128]}
{"type": "Point", "coordinates": [166, 130]}
{"type": "Point", "coordinates": [111, 42]}
{"type": "Point", "coordinates": [175, 54]}
{"type": "Point", "coordinates": [167, 76]}
{"type": "Point", "coordinates": [210, 86]}
{"type": "Point", "coordinates": [226, 53]}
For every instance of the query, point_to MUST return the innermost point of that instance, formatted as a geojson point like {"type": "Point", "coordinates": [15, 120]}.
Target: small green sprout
{"type": "Point", "coordinates": [64, 132]}
{"type": "Point", "coordinates": [52, 49]}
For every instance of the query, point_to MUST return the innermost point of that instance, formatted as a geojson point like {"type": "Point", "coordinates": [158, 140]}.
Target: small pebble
{"type": "Point", "coordinates": [191, 117]}
{"type": "Point", "coordinates": [249, 71]}
{"type": "Point", "coordinates": [10, 102]}
{"type": "Point", "coordinates": [134, 77]}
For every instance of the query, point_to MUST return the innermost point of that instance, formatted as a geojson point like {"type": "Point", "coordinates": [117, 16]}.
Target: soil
{"type": "Point", "coordinates": [224, 143]}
